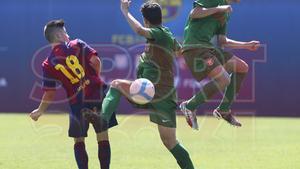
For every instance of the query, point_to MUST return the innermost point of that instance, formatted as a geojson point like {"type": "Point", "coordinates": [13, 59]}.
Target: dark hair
{"type": "Point", "coordinates": [51, 28]}
{"type": "Point", "coordinates": [152, 12]}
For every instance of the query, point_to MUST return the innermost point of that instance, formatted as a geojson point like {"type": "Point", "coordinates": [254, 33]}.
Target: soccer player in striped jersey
{"type": "Point", "coordinates": [76, 67]}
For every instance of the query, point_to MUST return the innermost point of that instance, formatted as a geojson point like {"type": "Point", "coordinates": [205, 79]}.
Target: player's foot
{"type": "Point", "coordinates": [190, 116]}
{"type": "Point", "coordinates": [227, 116]}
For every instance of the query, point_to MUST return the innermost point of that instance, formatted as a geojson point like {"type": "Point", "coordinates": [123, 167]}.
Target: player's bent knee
{"type": "Point", "coordinates": [115, 83]}
{"type": "Point", "coordinates": [246, 68]}
{"type": "Point", "coordinates": [243, 67]}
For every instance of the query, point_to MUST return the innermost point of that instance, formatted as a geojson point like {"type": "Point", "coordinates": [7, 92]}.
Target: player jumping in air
{"type": "Point", "coordinates": [156, 64]}
{"type": "Point", "coordinates": [226, 71]}
{"type": "Point", "coordinates": [76, 66]}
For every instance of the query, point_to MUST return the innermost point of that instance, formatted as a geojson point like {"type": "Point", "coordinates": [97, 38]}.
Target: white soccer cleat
{"type": "Point", "coordinates": [227, 116]}
{"type": "Point", "coordinates": [190, 116]}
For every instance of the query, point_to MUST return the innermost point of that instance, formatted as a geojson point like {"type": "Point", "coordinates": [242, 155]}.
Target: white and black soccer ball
{"type": "Point", "coordinates": [142, 91]}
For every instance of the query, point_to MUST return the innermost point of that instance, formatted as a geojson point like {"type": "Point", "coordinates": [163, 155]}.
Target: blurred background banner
{"type": "Point", "coordinates": [271, 88]}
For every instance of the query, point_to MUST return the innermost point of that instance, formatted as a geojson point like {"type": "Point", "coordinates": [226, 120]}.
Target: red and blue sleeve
{"type": "Point", "coordinates": [87, 50]}
{"type": "Point", "coordinates": [49, 83]}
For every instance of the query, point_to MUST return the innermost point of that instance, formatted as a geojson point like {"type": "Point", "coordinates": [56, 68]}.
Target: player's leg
{"type": "Point", "coordinates": [219, 79]}
{"type": "Point", "coordinates": [164, 115]}
{"type": "Point", "coordinates": [104, 151]}
{"type": "Point", "coordinates": [111, 101]}
{"type": "Point", "coordinates": [81, 155]}
{"type": "Point", "coordinates": [239, 70]}
{"type": "Point", "coordinates": [92, 113]}
{"type": "Point", "coordinates": [204, 63]}
{"type": "Point", "coordinates": [78, 128]}
{"type": "Point", "coordinates": [168, 137]}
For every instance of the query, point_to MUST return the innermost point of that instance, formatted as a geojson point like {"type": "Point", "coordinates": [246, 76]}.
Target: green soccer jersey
{"type": "Point", "coordinates": [158, 57]}
{"type": "Point", "coordinates": [199, 32]}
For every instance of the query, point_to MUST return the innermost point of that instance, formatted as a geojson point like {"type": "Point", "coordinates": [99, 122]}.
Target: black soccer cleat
{"type": "Point", "coordinates": [227, 116]}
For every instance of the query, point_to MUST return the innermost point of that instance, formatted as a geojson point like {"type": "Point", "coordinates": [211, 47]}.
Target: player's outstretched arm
{"type": "Point", "coordinates": [201, 12]}
{"type": "Point", "coordinates": [134, 24]}
{"type": "Point", "coordinates": [48, 97]}
{"type": "Point", "coordinates": [233, 44]}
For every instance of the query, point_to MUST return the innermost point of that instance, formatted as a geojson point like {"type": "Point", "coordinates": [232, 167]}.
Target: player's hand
{"type": "Point", "coordinates": [225, 8]}
{"type": "Point", "coordinates": [35, 114]}
{"type": "Point", "coordinates": [125, 5]}
{"type": "Point", "coordinates": [253, 45]}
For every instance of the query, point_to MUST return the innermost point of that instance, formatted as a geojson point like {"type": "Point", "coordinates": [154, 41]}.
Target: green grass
{"type": "Point", "coordinates": [263, 143]}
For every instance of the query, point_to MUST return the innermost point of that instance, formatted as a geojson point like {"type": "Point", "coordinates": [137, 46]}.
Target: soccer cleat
{"type": "Point", "coordinates": [227, 116]}
{"type": "Point", "coordinates": [190, 116]}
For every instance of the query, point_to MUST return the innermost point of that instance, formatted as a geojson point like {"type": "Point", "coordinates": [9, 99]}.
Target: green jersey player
{"type": "Point", "coordinates": [207, 19]}
{"type": "Point", "coordinates": [156, 64]}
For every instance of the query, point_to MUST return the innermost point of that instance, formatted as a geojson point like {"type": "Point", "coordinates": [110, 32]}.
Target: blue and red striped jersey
{"type": "Point", "coordinates": [69, 64]}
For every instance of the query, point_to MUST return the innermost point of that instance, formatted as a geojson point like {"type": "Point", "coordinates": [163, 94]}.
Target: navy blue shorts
{"type": "Point", "coordinates": [78, 126]}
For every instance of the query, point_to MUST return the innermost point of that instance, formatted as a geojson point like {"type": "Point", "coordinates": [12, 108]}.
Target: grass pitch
{"type": "Point", "coordinates": [262, 143]}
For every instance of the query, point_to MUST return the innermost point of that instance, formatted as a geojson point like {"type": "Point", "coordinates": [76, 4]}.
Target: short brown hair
{"type": "Point", "coordinates": [52, 27]}
{"type": "Point", "coordinates": [152, 12]}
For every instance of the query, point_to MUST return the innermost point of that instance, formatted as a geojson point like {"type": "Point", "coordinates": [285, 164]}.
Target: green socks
{"type": "Point", "coordinates": [231, 91]}
{"type": "Point", "coordinates": [182, 157]}
{"type": "Point", "coordinates": [211, 89]}
{"type": "Point", "coordinates": [207, 92]}
{"type": "Point", "coordinates": [110, 103]}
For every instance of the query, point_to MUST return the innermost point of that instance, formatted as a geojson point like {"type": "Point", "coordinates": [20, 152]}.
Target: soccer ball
{"type": "Point", "coordinates": [142, 91]}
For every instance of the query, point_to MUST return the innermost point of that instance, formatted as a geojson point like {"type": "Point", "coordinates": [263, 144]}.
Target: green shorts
{"type": "Point", "coordinates": [201, 61]}
{"type": "Point", "coordinates": [164, 105]}
{"type": "Point", "coordinates": [163, 112]}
